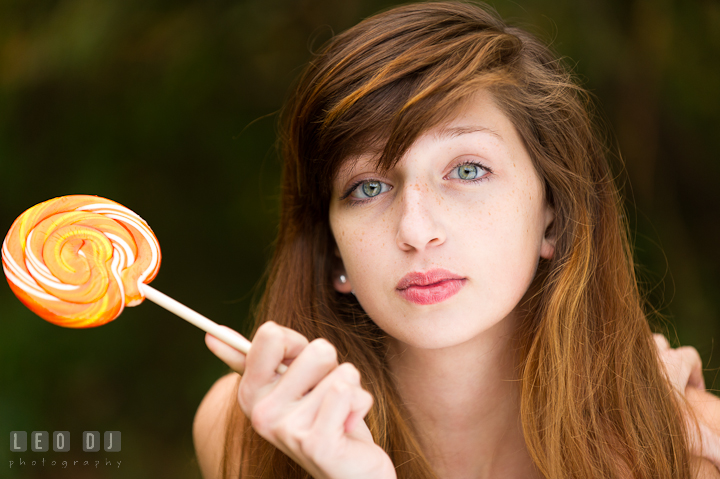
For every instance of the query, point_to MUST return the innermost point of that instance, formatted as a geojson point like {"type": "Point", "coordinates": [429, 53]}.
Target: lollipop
{"type": "Point", "coordinates": [78, 260]}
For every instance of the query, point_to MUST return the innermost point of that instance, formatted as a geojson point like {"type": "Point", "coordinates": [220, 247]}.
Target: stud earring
{"type": "Point", "coordinates": [343, 279]}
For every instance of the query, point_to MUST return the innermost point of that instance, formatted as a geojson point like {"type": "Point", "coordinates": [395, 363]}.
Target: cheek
{"type": "Point", "coordinates": [364, 249]}
{"type": "Point", "coordinates": [503, 245]}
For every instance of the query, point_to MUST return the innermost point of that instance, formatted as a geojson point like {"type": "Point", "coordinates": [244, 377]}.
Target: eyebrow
{"type": "Point", "coordinates": [453, 132]}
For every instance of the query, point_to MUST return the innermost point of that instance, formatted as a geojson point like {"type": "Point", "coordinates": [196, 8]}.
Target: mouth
{"type": "Point", "coordinates": [432, 277]}
{"type": "Point", "coordinates": [431, 287]}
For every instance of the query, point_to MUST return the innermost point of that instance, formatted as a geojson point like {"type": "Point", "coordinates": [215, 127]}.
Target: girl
{"type": "Point", "coordinates": [452, 285]}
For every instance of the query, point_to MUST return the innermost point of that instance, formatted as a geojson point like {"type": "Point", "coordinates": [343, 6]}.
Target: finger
{"type": "Point", "coordinates": [346, 373]}
{"type": "Point", "coordinates": [229, 355]}
{"type": "Point", "coordinates": [692, 365]}
{"type": "Point", "coordinates": [362, 406]}
{"type": "Point", "coordinates": [661, 342]}
{"type": "Point", "coordinates": [343, 406]}
{"type": "Point", "coordinates": [310, 367]}
{"type": "Point", "coordinates": [273, 344]}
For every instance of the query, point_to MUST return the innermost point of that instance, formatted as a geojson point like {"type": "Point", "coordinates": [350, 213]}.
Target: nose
{"type": "Point", "coordinates": [420, 225]}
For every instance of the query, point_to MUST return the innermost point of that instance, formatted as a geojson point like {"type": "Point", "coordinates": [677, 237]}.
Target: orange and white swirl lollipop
{"type": "Point", "coordinates": [78, 260]}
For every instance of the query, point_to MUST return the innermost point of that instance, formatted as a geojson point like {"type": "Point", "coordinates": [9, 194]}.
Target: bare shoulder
{"type": "Point", "coordinates": [210, 424]}
{"type": "Point", "coordinates": [705, 468]}
{"type": "Point", "coordinates": [706, 406]}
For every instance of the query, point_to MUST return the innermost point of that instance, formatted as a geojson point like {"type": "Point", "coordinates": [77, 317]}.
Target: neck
{"type": "Point", "coordinates": [464, 404]}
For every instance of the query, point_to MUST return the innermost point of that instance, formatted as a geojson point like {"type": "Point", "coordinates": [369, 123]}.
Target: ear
{"type": "Point", "coordinates": [339, 286]}
{"type": "Point", "coordinates": [547, 248]}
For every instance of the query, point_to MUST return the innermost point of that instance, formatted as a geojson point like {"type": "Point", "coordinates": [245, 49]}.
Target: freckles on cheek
{"type": "Point", "coordinates": [368, 248]}
{"type": "Point", "coordinates": [500, 224]}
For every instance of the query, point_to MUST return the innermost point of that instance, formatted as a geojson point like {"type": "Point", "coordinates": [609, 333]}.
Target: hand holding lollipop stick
{"type": "Point", "coordinates": [77, 261]}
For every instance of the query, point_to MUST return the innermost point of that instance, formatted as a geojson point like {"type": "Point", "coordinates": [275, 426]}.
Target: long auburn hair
{"type": "Point", "coordinates": [594, 400]}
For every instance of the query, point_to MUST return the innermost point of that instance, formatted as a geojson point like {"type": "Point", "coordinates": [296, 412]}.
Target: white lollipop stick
{"type": "Point", "coordinates": [236, 340]}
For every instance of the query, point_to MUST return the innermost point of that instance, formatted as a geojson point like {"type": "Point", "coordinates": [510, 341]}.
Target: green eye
{"type": "Point", "coordinates": [371, 188]}
{"type": "Point", "coordinates": [468, 172]}
{"type": "Point", "coordinates": [471, 171]}
{"type": "Point", "coordinates": [365, 190]}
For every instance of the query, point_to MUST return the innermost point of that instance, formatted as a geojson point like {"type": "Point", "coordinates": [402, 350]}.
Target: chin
{"type": "Point", "coordinates": [433, 333]}
{"type": "Point", "coordinates": [436, 342]}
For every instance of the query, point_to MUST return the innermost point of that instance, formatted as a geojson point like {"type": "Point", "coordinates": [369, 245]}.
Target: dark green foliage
{"type": "Point", "coordinates": [169, 108]}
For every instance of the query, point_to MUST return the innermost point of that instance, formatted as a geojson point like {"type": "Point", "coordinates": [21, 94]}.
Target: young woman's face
{"type": "Point", "coordinates": [464, 210]}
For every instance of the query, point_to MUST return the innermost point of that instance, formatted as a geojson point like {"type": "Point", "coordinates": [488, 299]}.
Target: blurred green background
{"type": "Point", "coordinates": [169, 107]}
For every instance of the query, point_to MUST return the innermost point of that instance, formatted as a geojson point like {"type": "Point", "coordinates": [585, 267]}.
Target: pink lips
{"type": "Point", "coordinates": [428, 288]}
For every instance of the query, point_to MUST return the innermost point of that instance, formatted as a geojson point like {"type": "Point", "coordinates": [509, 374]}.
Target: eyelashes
{"type": "Point", "coordinates": [359, 183]}
{"type": "Point", "coordinates": [355, 202]}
